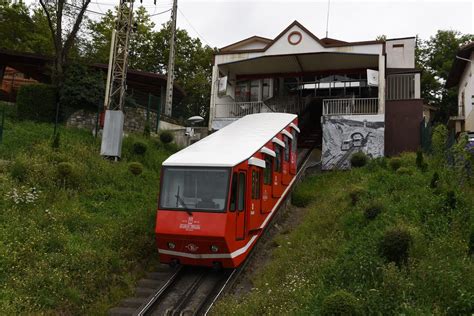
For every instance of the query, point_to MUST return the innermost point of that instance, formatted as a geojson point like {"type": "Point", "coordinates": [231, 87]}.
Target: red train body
{"type": "Point", "coordinates": [218, 194]}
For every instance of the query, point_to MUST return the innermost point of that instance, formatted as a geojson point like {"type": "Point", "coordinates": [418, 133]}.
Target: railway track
{"type": "Point", "coordinates": [184, 291]}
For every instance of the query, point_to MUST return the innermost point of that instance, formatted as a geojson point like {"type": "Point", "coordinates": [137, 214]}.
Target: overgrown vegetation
{"type": "Point", "coordinates": [37, 102]}
{"type": "Point", "coordinates": [374, 242]}
{"type": "Point", "coordinates": [74, 228]}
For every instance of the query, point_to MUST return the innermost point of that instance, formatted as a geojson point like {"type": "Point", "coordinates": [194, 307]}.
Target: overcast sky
{"type": "Point", "coordinates": [222, 22]}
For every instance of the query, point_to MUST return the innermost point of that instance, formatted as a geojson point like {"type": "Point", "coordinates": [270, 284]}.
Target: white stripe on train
{"type": "Point", "coordinates": [231, 255]}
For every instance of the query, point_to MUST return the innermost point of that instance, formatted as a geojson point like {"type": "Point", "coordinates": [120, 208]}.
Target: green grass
{"type": "Point", "coordinates": [337, 248]}
{"type": "Point", "coordinates": [77, 244]}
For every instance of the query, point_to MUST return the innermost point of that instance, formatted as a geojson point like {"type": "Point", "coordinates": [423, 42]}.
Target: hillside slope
{"type": "Point", "coordinates": [336, 262]}
{"type": "Point", "coordinates": [75, 229]}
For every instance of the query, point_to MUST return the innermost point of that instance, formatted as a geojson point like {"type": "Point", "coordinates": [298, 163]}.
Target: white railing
{"type": "Point", "coordinates": [353, 106]}
{"type": "Point", "coordinates": [401, 87]}
{"type": "Point", "coordinates": [240, 109]}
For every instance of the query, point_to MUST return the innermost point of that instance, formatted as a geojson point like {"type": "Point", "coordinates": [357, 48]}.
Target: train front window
{"type": "Point", "coordinates": [191, 189]}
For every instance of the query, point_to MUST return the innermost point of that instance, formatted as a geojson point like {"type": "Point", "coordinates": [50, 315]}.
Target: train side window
{"type": "Point", "coordinates": [294, 142]}
{"type": "Point", "coordinates": [233, 192]}
{"type": "Point", "coordinates": [267, 172]}
{"type": "Point", "coordinates": [255, 185]}
{"type": "Point", "coordinates": [277, 165]}
{"type": "Point", "coordinates": [241, 192]}
{"type": "Point", "coordinates": [287, 148]}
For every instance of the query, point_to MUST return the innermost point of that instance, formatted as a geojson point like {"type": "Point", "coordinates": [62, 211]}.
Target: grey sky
{"type": "Point", "coordinates": [222, 22]}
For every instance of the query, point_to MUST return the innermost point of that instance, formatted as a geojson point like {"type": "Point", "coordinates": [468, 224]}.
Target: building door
{"type": "Point", "coordinates": [255, 198]}
{"type": "Point", "coordinates": [294, 147]}
{"type": "Point", "coordinates": [240, 213]}
{"type": "Point", "coordinates": [285, 178]}
{"type": "Point", "coordinates": [277, 188]}
{"type": "Point", "coordinates": [267, 185]}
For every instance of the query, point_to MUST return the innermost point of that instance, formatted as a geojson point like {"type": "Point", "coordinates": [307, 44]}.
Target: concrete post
{"type": "Point", "coordinates": [381, 84]}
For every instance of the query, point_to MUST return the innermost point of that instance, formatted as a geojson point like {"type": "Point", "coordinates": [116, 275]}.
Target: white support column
{"type": "Point", "coordinates": [381, 84]}
{"type": "Point", "coordinates": [417, 86]}
{"type": "Point", "coordinates": [212, 106]}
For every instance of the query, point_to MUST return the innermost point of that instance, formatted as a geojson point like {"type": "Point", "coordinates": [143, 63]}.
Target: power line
{"type": "Point", "coordinates": [199, 34]}
{"type": "Point", "coordinates": [155, 14]}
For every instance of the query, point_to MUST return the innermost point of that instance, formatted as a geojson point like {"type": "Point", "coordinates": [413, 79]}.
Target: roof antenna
{"type": "Point", "coordinates": [327, 19]}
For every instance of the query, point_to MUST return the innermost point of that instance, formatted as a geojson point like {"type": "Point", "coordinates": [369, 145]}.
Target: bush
{"type": "Point", "coordinates": [301, 197]}
{"type": "Point", "coordinates": [37, 102]}
{"type": "Point", "coordinates": [404, 171]}
{"type": "Point", "coordinates": [139, 148]}
{"type": "Point", "coordinates": [395, 163]}
{"type": "Point", "coordinates": [359, 159]}
{"type": "Point", "coordinates": [135, 168]}
{"type": "Point", "coordinates": [355, 193]}
{"type": "Point", "coordinates": [65, 169]}
{"type": "Point", "coordinates": [471, 243]}
{"type": "Point", "coordinates": [450, 200]}
{"type": "Point", "coordinates": [434, 181]}
{"type": "Point", "coordinates": [166, 137]}
{"type": "Point", "coordinates": [373, 210]}
{"type": "Point", "coordinates": [340, 303]}
{"type": "Point", "coordinates": [439, 142]}
{"type": "Point", "coordinates": [19, 171]}
{"type": "Point", "coordinates": [395, 245]}
{"type": "Point", "coordinates": [147, 130]}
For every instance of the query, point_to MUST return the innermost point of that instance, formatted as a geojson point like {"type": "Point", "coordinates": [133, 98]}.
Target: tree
{"type": "Point", "coordinates": [435, 58]}
{"type": "Point", "coordinates": [64, 20]}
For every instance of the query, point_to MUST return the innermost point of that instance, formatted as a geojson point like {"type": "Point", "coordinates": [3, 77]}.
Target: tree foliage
{"type": "Point", "coordinates": [435, 57]}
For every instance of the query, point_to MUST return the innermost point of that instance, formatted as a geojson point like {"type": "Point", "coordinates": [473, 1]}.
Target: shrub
{"type": "Point", "coordinates": [340, 303]}
{"type": "Point", "coordinates": [135, 168]}
{"type": "Point", "coordinates": [404, 171]}
{"type": "Point", "coordinates": [139, 147]}
{"type": "Point", "coordinates": [395, 245]}
{"type": "Point", "coordinates": [37, 102]}
{"type": "Point", "coordinates": [395, 163]}
{"type": "Point", "coordinates": [56, 143]}
{"type": "Point", "coordinates": [166, 137]}
{"type": "Point", "coordinates": [301, 197]}
{"type": "Point", "coordinates": [373, 210]}
{"type": "Point", "coordinates": [439, 142]}
{"type": "Point", "coordinates": [355, 193]}
{"type": "Point", "coordinates": [65, 169]}
{"type": "Point", "coordinates": [434, 180]}
{"type": "Point", "coordinates": [471, 243]}
{"type": "Point", "coordinates": [19, 171]}
{"type": "Point", "coordinates": [147, 130]}
{"type": "Point", "coordinates": [359, 159]}
{"type": "Point", "coordinates": [450, 200]}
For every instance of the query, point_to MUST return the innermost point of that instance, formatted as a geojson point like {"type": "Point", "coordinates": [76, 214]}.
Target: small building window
{"type": "Point", "coordinates": [267, 172]}
{"type": "Point", "coordinates": [255, 184]}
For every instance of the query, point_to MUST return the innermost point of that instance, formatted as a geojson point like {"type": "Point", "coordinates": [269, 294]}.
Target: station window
{"type": "Point", "coordinates": [241, 193]}
{"type": "Point", "coordinates": [255, 185]}
{"type": "Point", "coordinates": [233, 194]}
{"type": "Point", "coordinates": [277, 165]}
{"type": "Point", "coordinates": [287, 148]}
{"type": "Point", "coordinates": [267, 172]}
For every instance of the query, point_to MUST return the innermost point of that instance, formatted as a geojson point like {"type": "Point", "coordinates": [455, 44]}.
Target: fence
{"type": "Point", "coordinates": [353, 106]}
{"type": "Point", "coordinates": [240, 109]}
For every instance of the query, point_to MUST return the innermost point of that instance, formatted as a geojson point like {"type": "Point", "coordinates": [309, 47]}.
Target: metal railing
{"type": "Point", "coordinates": [353, 106]}
{"type": "Point", "coordinates": [400, 87]}
{"type": "Point", "coordinates": [240, 109]}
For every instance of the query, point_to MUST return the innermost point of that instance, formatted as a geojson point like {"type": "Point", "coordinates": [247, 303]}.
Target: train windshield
{"type": "Point", "coordinates": [189, 189]}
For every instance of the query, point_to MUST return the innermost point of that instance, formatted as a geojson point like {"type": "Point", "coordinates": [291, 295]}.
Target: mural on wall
{"type": "Point", "coordinates": [345, 135]}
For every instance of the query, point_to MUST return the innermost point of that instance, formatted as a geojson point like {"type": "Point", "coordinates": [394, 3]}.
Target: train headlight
{"type": "Point", "coordinates": [171, 245]}
{"type": "Point", "coordinates": [214, 248]}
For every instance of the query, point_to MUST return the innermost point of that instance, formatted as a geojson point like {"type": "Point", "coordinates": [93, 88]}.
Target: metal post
{"type": "Point", "coordinates": [170, 81]}
{"type": "Point", "coordinates": [148, 109]}
{"type": "Point", "coordinates": [3, 124]}
{"type": "Point", "coordinates": [158, 115]}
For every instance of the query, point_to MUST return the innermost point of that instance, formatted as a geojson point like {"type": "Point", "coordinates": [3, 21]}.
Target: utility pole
{"type": "Point", "coordinates": [114, 101]}
{"type": "Point", "coordinates": [170, 81]}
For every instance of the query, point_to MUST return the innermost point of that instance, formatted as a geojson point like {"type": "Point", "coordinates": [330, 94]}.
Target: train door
{"type": "Point", "coordinates": [267, 185]}
{"type": "Point", "coordinates": [254, 209]}
{"type": "Point", "coordinates": [294, 149]}
{"type": "Point", "coordinates": [237, 202]}
{"type": "Point", "coordinates": [277, 189]}
{"type": "Point", "coordinates": [285, 178]}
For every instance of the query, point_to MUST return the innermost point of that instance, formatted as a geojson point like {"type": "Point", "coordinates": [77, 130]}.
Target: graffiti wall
{"type": "Point", "coordinates": [345, 135]}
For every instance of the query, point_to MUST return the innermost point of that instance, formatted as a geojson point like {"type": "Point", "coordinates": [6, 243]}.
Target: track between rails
{"type": "Point", "coordinates": [186, 290]}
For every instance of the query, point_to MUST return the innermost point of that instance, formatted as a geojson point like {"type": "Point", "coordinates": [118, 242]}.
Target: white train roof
{"type": "Point", "coordinates": [234, 143]}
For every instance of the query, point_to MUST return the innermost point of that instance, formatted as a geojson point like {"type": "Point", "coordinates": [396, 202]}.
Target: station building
{"type": "Point", "coordinates": [350, 96]}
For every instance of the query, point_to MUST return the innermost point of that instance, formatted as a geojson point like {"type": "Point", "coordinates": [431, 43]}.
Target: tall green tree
{"type": "Point", "coordinates": [435, 57]}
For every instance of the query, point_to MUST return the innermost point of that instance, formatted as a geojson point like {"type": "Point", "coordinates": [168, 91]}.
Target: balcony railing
{"type": "Point", "coordinates": [240, 109]}
{"type": "Point", "coordinates": [351, 106]}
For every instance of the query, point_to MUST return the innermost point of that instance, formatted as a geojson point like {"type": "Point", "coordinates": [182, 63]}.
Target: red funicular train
{"type": "Point", "coordinates": [218, 194]}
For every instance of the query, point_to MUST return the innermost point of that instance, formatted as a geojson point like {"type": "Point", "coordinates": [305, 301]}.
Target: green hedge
{"type": "Point", "coordinates": [37, 102]}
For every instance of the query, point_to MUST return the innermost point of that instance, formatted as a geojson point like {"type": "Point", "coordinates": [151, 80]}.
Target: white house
{"type": "Point", "coordinates": [461, 75]}
{"type": "Point", "coordinates": [328, 82]}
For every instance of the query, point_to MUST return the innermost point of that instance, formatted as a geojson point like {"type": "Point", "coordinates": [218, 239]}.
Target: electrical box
{"type": "Point", "coordinates": [113, 134]}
